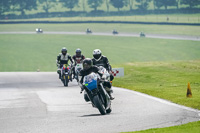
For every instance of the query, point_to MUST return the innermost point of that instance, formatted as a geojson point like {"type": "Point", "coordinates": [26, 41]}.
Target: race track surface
{"type": "Point", "coordinates": [176, 37]}
{"type": "Point", "coordinates": [37, 102]}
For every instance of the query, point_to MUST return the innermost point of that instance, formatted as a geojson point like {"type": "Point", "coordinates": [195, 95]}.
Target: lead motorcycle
{"type": "Point", "coordinates": [96, 93]}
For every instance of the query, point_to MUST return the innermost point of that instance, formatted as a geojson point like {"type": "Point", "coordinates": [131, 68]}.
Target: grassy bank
{"type": "Point", "coordinates": [127, 28]}
{"type": "Point", "coordinates": [193, 127]}
{"type": "Point", "coordinates": [167, 80]}
{"type": "Point", "coordinates": [30, 52]}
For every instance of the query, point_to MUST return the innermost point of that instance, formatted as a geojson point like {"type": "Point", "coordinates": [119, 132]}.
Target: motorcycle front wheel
{"type": "Point", "coordinates": [109, 110]}
{"type": "Point", "coordinates": [66, 80]}
{"type": "Point", "coordinates": [99, 105]}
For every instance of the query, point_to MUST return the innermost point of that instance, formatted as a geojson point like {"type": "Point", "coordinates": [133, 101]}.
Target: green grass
{"type": "Point", "coordinates": [29, 52]}
{"type": "Point", "coordinates": [193, 127]}
{"type": "Point", "coordinates": [128, 28]}
{"type": "Point", "coordinates": [167, 80]}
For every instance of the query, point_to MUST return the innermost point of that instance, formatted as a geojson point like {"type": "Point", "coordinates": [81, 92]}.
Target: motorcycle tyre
{"type": "Point", "coordinates": [108, 111]}
{"type": "Point", "coordinates": [66, 81]}
{"type": "Point", "coordinates": [99, 105]}
{"type": "Point", "coordinates": [86, 98]}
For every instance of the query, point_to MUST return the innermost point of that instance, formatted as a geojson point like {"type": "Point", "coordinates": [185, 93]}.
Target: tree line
{"type": "Point", "coordinates": [25, 5]}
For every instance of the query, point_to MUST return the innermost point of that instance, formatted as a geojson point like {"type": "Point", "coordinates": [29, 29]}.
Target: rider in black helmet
{"type": "Point", "coordinates": [78, 58]}
{"type": "Point", "coordinates": [88, 68]}
{"type": "Point", "coordinates": [62, 57]}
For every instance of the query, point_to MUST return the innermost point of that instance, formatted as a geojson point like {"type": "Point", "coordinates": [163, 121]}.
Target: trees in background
{"type": "Point", "coordinates": [191, 3]}
{"type": "Point", "coordinates": [143, 4]}
{"type": "Point", "coordinates": [47, 4]}
{"type": "Point", "coordinates": [165, 3]}
{"type": "Point", "coordinates": [4, 6]}
{"type": "Point", "coordinates": [130, 3]}
{"type": "Point", "coordinates": [95, 4]}
{"type": "Point", "coordinates": [22, 5]}
{"type": "Point", "coordinates": [107, 5]}
{"type": "Point", "coordinates": [69, 3]}
{"type": "Point", "coordinates": [117, 3]}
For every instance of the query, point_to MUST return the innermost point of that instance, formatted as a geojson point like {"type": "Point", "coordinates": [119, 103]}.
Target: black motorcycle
{"type": "Point", "coordinates": [88, 31]}
{"type": "Point", "coordinates": [96, 93]}
{"type": "Point", "coordinates": [66, 73]}
{"type": "Point", "coordinates": [115, 32]}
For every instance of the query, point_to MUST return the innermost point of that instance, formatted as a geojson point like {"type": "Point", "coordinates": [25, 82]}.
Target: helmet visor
{"type": "Point", "coordinates": [78, 54]}
{"type": "Point", "coordinates": [64, 52]}
{"type": "Point", "coordinates": [86, 66]}
{"type": "Point", "coordinates": [97, 56]}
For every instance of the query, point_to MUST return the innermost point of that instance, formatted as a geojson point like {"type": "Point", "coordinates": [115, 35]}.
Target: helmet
{"type": "Point", "coordinates": [64, 51]}
{"type": "Point", "coordinates": [97, 54]}
{"type": "Point", "coordinates": [87, 63]}
{"type": "Point", "coordinates": [78, 52]}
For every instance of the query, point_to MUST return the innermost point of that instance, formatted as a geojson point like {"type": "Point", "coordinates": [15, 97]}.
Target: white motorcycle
{"type": "Point", "coordinates": [78, 68]}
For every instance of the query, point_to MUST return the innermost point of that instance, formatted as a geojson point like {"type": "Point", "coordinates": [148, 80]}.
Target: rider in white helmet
{"type": "Point", "coordinates": [100, 60]}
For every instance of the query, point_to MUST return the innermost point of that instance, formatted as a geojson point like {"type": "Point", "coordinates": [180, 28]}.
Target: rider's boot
{"type": "Point", "coordinates": [59, 73]}
{"type": "Point", "coordinates": [70, 78]}
{"type": "Point", "coordinates": [74, 74]}
{"type": "Point", "coordinates": [110, 94]}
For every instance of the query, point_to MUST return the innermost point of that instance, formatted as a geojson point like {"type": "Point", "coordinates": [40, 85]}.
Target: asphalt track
{"type": "Point", "coordinates": [37, 102]}
{"type": "Point", "coordinates": [176, 37]}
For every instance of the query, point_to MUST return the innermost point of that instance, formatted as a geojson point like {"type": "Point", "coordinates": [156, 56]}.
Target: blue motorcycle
{"type": "Point", "coordinates": [96, 93]}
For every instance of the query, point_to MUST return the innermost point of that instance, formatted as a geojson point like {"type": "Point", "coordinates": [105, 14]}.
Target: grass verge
{"type": "Point", "coordinates": [193, 127]}
{"type": "Point", "coordinates": [39, 51]}
{"type": "Point", "coordinates": [167, 80]}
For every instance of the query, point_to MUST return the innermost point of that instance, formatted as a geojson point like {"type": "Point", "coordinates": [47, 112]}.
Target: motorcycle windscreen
{"type": "Point", "coordinates": [91, 81]}
{"type": "Point", "coordinates": [91, 85]}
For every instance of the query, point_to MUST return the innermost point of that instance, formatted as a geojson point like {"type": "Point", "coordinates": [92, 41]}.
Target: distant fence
{"type": "Point", "coordinates": [117, 22]}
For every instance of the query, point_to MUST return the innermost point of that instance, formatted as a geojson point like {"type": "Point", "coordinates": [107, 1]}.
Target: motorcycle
{"type": "Point", "coordinates": [39, 30]}
{"type": "Point", "coordinates": [88, 31]}
{"type": "Point", "coordinates": [78, 68]}
{"type": "Point", "coordinates": [115, 32]}
{"type": "Point", "coordinates": [66, 74]}
{"type": "Point", "coordinates": [96, 93]}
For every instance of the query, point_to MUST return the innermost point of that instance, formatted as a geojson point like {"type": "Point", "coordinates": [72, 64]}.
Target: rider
{"type": "Point", "coordinates": [62, 57]}
{"type": "Point", "coordinates": [78, 58]}
{"type": "Point", "coordinates": [100, 60]}
{"type": "Point", "coordinates": [88, 68]}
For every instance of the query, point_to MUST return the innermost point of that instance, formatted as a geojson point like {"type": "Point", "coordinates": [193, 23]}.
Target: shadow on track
{"type": "Point", "coordinates": [91, 115]}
